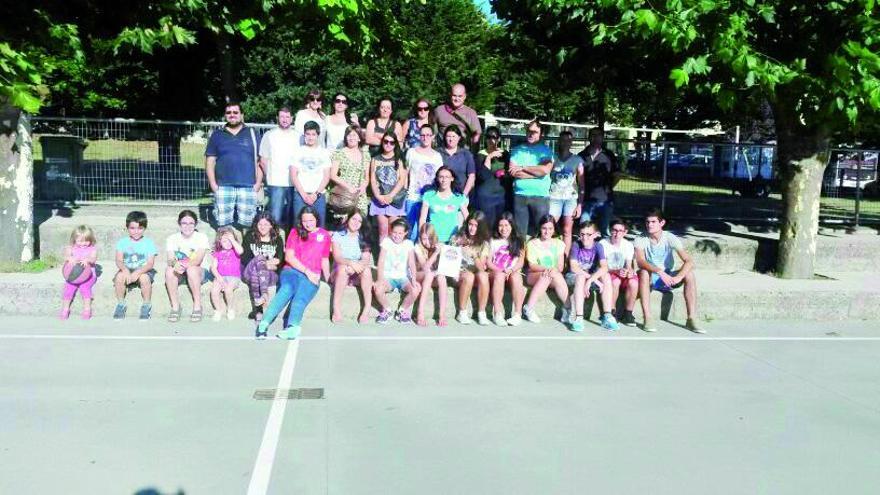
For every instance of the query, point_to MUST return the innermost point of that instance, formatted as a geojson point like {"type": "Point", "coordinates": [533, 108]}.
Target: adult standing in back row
{"type": "Point", "coordinates": [233, 169]}
{"type": "Point", "coordinates": [277, 150]}
{"type": "Point", "coordinates": [311, 113]}
{"type": "Point", "coordinates": [455, 112]}
{"type": "Point", "coordinates": [601, 174]}
{"type": "Point", "coordinates": [530, 166]}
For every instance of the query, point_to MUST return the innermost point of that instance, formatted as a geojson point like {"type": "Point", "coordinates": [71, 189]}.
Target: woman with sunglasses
{"type": "Point", "coordinates": [421, 116]}
{"type": "Point", "coordinates": [492, 180]}
{"type": "Point", "coordinates": [381, 124]}
{"type": "Point", "coordinates": [338, 122]}
{"type": "Point", "coordinates": [311, 112]}
{"type": "Point", "coordinates": [388, 177]}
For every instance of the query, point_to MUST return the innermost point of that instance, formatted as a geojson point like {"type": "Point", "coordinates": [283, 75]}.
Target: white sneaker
{"type": "Point", "coordinates": [499, 320]}
{"type": "Point", "coordinates": [217, 316]}
{"type": "Point", "coordinates": [230, 314]}
{"type": "Point", "coordinates": [482, 319]}
{"type": "Point", "coordinates": [530, 315]}
{"type": "Point", "coordinates": [514, 320]}
{"type": "Point", "coordinates": [464, 318]}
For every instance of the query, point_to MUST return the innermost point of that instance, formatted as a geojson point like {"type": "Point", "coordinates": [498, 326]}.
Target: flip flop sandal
{"type": "Point", "coordinates": [196, 316]}
{"type": "Point", "coordinates": [174, 316]}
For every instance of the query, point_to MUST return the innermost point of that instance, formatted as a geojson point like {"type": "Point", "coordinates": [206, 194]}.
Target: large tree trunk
{"type": "Point", "coordinates": [802, 157]}
{"type": "Point", "coordinates": [16, 187]}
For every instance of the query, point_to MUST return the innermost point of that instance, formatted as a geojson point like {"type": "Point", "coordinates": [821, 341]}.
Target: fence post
{"type": "Point", "coordinates": [859, 185]}
{"type": "Point", "coordinates": [663, 183]}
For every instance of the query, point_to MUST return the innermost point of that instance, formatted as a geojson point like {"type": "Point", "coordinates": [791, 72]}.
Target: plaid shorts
{"type": "Point", "coordinates": [229, 199]}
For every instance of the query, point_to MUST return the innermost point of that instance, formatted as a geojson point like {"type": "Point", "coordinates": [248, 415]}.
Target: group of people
{"type": "Point", "coordinates": [399, 211]}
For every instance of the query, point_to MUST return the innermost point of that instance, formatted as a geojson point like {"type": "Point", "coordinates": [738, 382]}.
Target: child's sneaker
{"type": "Point", "coordinates": [464, 318]}
{"type": "Point", "coordinates": [514, 320]}
{"type": "Point", "coordinates": [628, 319]}
{"type": "Point", "coordinates": [146, 309]}
{"type": "Point", "coordinates": [482, 319]}
{"type": "Point", "coordinates": [230, 314]}
{"type": "Point", "coordinates": [383, 317]}
{"type": "Point", "coordinates": [691, 325]}
{"type": "Point", "coordinates": [65, 314]}
{"type": "Point", "coordinates": [577, 325]}
{"type": "Point", "coordinates": [217, 316]}
{"type": "Point", "coordinates": [119, 312]}
{"type": "Point", "coordinates": [262, 331]}
{"type": "Point", "coordinates": [608, 322]}
{"type": "Point", "coordinates": [566, 315]}
{"type": "Point", "coordinates": [530, 315]}
{"type": "Point", "coordinates": [499, 320]}
{"type": "Point", "coordinates": [648, 325]}
{"type": "Point", "coordinates": [404, 317]}
{"type": "Point", "coordinates": [289, 333]}
{"type": "Point", "coordinates": [86, 314]}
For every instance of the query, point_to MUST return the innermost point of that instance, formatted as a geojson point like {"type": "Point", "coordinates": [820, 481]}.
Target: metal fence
{"type": "Point", "coordinates": [124, 161]}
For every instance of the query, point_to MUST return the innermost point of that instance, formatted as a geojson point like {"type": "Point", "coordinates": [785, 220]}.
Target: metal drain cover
{"type": "Point", "coordinates": [289, 394]}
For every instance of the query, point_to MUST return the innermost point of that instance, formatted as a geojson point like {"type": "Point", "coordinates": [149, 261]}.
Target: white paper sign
{"type": "Point", "coordinates": [450, 261]}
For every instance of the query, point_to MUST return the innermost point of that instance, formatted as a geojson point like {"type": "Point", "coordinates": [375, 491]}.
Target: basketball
{"type": "Point", "coordinates": [75, 273]}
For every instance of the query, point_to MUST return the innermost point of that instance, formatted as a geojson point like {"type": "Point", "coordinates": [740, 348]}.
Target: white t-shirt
{"type": "Point", "coordinates": [185, 247]}
{"type": "Point", "coordinates": [396, 258]}
{"type": "Point", "coordinates": [278, 148]}
{"type": "Point", "coordinates": [310, 164]}
{"type": "Point", "coordinates": [618, 256]}
{"type": "Point", "coordinates": [299, 123]}
{"type": "Point", "coordinates": [335, 135]}
{"type": "Point", "coordinates": [422, 169]}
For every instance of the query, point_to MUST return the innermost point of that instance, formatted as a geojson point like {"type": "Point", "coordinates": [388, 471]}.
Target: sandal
{"type": "Point", "coordinates": [174, 316]}
{"type": "Point", "coordinates": [196, 316]}
{"type": "Point", "coordinates": [441, 322]}
{"type": "Point", "coordinates": [420, 321]}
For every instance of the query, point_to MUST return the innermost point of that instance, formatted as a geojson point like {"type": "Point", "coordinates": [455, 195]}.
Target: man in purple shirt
{"type": "Point", "coordinates": [456, 112]}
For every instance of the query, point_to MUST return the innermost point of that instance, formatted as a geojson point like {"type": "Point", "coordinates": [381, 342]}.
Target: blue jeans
{"type": "Point", "coordinates": [295, 288]}
{"type": "Point", "coordinates": [599, 213]}
{"type": "Point", "coordinates": [299, 202]}
{"type": "Point", "coordinates": [413, 212]}
{"type": "Point", "coordinates": [281, 204]}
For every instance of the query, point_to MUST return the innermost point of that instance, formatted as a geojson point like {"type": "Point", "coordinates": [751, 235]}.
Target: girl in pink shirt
{"type": "Point", "coordinates": [226, 268]}
{"type": "Point", "coordinates": [307, 257]}
{"type": "Point", "coordinates": [79, 270]}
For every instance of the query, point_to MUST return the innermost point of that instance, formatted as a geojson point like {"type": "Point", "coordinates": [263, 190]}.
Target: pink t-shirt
{"type": "Point", "coordinates": [311, 251]}
{"type": "Point", "coordinates": [228, 263]}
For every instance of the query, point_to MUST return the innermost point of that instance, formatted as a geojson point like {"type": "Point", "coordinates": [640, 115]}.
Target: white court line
{"type": "Point", "coordinates": [609, 338]}
{"type": "Point", "coordinates": [262, 471]}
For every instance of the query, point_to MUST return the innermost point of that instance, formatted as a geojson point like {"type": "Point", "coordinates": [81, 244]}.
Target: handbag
{"type": "Point", "coordinates": [341, 199]}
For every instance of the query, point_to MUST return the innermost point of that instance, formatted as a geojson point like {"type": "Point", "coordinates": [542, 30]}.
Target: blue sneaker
{"type": "Point", "coordinates": [289, 333]}
{"type": "Point", "coordinates": [577, 325]}
{"type": "Point", "coordinates": [262, 332]}
{"type": "Point", "coordinates": [608, 322]}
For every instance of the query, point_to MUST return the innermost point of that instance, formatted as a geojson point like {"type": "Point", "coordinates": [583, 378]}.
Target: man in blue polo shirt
{"type": "Point", "coordinates": [233, 169]}
{"type": "Point", "coordinates": [530, 166]}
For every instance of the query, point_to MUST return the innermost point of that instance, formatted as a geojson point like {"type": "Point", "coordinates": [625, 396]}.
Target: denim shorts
{"type": "Point", "coordinates": [571, 278]}
{"type": "Point", "coordinates": [658, 284]}
{"type": "Point", "coordinates": [397, 284]}
{"type": "Point", "coordinates": [562, 207]}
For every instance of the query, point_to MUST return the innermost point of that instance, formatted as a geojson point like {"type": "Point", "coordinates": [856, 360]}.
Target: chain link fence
{"type": "Point", "coordinates": [125, 161]}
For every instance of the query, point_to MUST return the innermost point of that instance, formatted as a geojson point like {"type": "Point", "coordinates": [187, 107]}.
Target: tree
{"type": "Point", "coordinates": [816, 64]}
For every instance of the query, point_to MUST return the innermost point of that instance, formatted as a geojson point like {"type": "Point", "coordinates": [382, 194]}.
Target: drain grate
{"type": "Point", "coordinates": [289, 394]}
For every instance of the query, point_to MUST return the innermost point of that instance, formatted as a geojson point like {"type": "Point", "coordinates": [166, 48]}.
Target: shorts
{"type": "Point", "coordinates": [571, 278]}
{"type": "Point", "coordinates": [387, 210]}
{"type": "Point", "coordinates": [397, 284]}
{"type": "Point", "coordinates": [615, 275]}
{"type": "Point", "coordinates": [562, 207]}
{"type": "Point", "coordinates": [231, 199]}
{"type": "Point", "coordinates": [353, 280]}
{"type": "Point", "coordinates": [207, 276]}
{"type": "Point", "coordinates": [230, 279]}
{"type": "Point", "coordinates": [658, 285]}
{"type": "Point", "coordinates": [151, 273]}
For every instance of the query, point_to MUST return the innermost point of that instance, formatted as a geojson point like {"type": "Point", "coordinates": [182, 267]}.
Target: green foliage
{"type": "Point", "coordinates": [823, 55]}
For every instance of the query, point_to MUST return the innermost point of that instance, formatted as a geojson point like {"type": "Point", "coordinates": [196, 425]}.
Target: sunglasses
{"type": "Point", "coordinates": [424, 108]}
{"type": "Point", "coordinates": [315, 98]}
{"type": "Point", "coordinates": [388, 141]}
{"type": "Point", "coordinates": [340, 100]}
{"type": "Point", "coordinates": [493, 136]}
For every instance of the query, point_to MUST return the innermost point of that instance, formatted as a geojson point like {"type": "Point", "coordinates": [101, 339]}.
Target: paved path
{"type": "Point", "coordinates": [752, 407]}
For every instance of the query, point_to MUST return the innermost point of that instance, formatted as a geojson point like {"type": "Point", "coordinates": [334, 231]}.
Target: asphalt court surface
{"type": "Point", "coordinates": [751, 407]}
